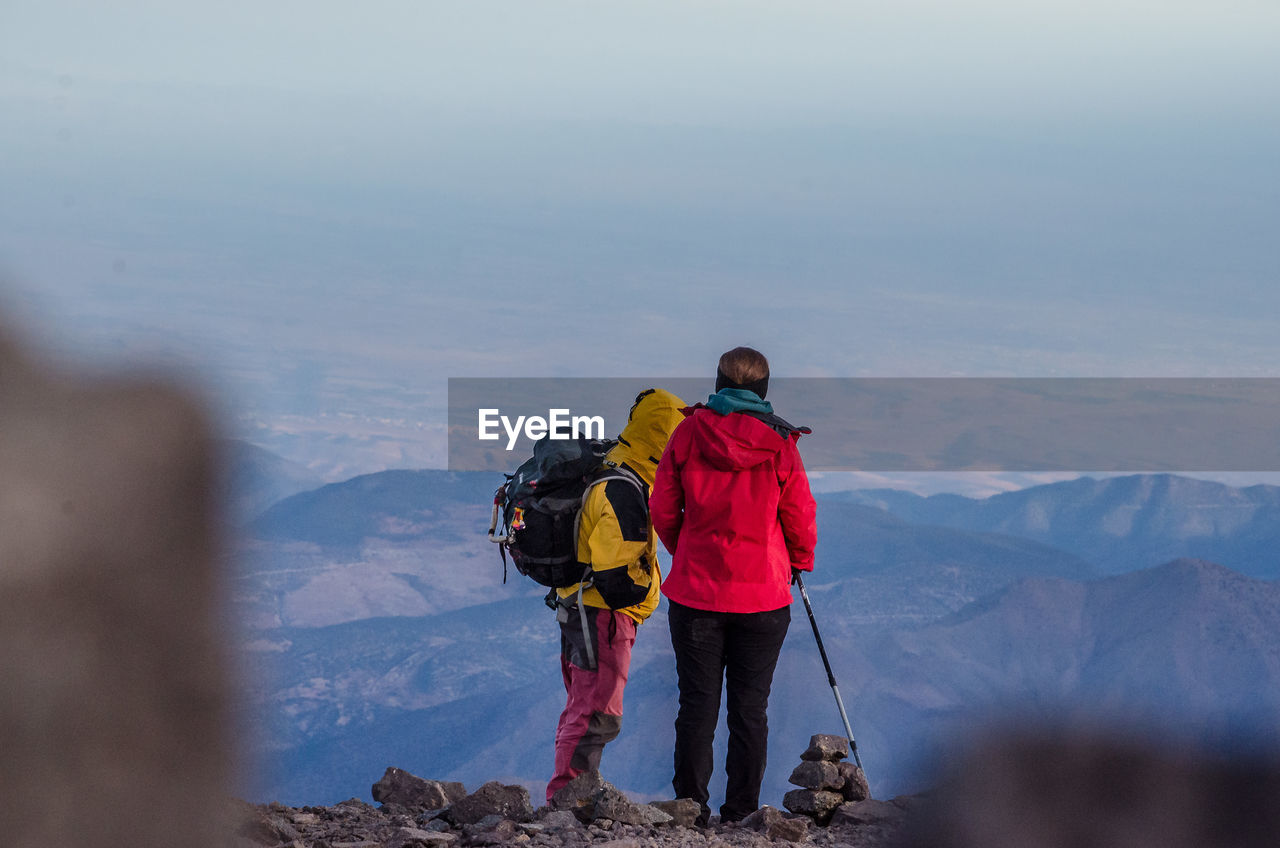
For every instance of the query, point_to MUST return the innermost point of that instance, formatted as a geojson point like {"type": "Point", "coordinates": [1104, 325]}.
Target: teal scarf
{"type": "Point", "coordinates": [738, 400]}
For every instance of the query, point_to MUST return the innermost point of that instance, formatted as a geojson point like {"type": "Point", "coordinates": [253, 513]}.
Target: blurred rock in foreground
{"type": "Point", "coordinates": [1066, 789]}
{"type": "Point", "coordinates": [114, 687]}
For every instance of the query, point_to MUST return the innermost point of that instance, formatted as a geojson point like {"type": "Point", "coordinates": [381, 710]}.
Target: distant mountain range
{"type": "Point", "coordinates": [473, 695]}
{"type": "Point", "coordinates": [255, 478]}
{"type": "Point", "coordinates": [1190, 650]}
{"type": "Point", "coordinates": [1117, 523]}
{"type": "Point", "coordinates": [390, 505]}
{"type": "Point", "coordinates": [393, 543]}
{"type": "Point", "coordinates": [412, 543]}
{"type": "Point", "coordinates": [872, 567]}
{"type": "Point", "coordinates": [381, 633]}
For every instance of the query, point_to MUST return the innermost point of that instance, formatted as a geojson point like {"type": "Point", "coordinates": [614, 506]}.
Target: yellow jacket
{"type": "Point", "coordinates": [615, 536]}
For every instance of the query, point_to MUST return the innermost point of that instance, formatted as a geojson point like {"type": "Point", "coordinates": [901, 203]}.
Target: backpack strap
{"type": "Point", "coordinates": [777, 423]}
{"type": "Point", "coordinates": [610, 472]}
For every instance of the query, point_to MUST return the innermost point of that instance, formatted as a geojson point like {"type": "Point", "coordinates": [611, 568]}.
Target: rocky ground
{"type": "Point", "coordinates": [356, 824]}
{"type": "Point", "coordinates": [1018, 789]}
{"type": "Point", "coordinates": [831, 807]}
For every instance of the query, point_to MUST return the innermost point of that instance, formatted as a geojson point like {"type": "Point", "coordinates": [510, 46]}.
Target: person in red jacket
{"type": "Point", "coordinates": [732, 505]}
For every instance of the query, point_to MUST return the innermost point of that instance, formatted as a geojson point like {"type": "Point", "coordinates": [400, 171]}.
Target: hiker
{"type": "Point", "coordinates": [616, 539]}
{"type": "Point", "coordinates": [731, 503]}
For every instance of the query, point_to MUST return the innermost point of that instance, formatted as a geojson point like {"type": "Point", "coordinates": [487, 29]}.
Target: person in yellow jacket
{"type": "Point", "coordinates": [598, 618]}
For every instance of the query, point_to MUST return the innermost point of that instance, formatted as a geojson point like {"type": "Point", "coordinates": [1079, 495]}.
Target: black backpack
{"type": "Point", "coordinates": [537, 511]}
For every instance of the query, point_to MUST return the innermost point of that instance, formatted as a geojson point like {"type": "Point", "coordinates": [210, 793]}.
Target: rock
{"type": "Point", "coordinates": [647, 815]}
{"type": "Point", "coordinates": [865, 812]}
{"type": "Point", "coordinates": [487, 823]}
{"type": "Point", "coordinates": [854, 787]}
{"type": "Point", "coordinates": [113, 647]}
{"type": "Point", "coordinates": [353, 807]}
{"type": "Point", "coordinates": [582, 787]}
{"type": "Point", "coordinates": [761, 818]}
{"type": "Point", "coordinates": [610, 803]}
{"type": "Point", "coordinates": [401, 789]}
{"type": "Point", "coordinates": [409, 837]}
{"type": "Point", "coordinates": [285, 828]}
{"type": "Point", "coordinates": [264, 828]}
{"type": "Point", "coordinates": [773, 824]}
{"type": "Point", "coordinates": [824, 746]}
{"type": "Point", "coordinates": [487, 832]}
{"type": "Point", "coordinates": [683, 811]}
{"type": "Point", "coordinates": [817, 805]}
{"type": "Point", "coordinates": [593, 799]}
{"type": "Point", "coordinates": [817, 774]}
{"type": "Point", "coordinates": [794, 829]}
{"type": "Point", "coordinates": [492, 799]}
{"type": "Point", "coordinates": [560, 820]}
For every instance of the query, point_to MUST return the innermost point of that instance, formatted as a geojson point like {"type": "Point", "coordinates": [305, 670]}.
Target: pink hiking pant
{"type": "Point", "coordinates": [593, 713]}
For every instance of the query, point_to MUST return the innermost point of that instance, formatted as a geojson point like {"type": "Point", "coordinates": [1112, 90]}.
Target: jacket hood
{"type": "Point", "coordinates": [734, 442]}
{"type": "Point", "coordinates": [653, 417]}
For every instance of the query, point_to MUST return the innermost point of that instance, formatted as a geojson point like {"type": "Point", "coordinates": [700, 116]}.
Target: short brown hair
{"type": "Point", "coordinates": [744, 365]}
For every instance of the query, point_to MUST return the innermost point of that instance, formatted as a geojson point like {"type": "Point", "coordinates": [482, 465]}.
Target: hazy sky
{"type": "Point", "coordinates": [329, 207]}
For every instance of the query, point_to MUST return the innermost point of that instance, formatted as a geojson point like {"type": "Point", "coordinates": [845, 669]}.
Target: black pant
{"type": "Point", "coordinates": [738, 651]}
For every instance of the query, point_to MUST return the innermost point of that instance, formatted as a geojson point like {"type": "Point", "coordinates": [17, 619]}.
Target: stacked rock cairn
{"type": "Point", "coordinates": [826, 780]}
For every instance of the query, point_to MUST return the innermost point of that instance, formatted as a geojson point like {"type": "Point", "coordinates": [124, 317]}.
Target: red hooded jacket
{"type": "Point", "coordinates": [731, 503]}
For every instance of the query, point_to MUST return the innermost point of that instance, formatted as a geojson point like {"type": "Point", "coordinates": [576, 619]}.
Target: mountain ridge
{"type": "Point", "coordinates": [1117, 523]}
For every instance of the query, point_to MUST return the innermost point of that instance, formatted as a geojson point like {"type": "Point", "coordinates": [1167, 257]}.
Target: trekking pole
{"type": "Point", "coordinates": [831, 678]}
